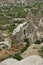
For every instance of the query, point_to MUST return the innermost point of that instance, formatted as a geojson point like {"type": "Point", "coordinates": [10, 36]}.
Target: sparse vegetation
{"type": "Point", "coordinates": [42, 40]}
{"type": "Point", "coordinates": [41, 51]}
{"type": "Point", "coordinates": [34, 11]}
{"type": "Point", "coordinates": [37, 42]}
{"type": "Point", "coordinates": [9, 12]}
{"type": "Point", "coordinates": [17, 57]}
{"type": "Point", "coordinates": [26, 46]}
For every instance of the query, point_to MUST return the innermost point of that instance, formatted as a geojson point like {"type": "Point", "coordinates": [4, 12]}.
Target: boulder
{"type": "Point", "coordinates": [31, 60]}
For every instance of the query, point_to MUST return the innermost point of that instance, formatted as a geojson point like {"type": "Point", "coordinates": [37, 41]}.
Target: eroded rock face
{"type": "Point", "coordinates": [32, 60]}
{"type": "Point", "coordinates": [28, 30]}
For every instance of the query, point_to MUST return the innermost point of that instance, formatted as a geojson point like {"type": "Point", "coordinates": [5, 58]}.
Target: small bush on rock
{"type": "Point", "coordinates": [17, 57]}
{"type": "Point", "coordinates": [37, 42]}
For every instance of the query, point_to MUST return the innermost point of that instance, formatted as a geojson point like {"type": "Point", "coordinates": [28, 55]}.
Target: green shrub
{"type": "Point", "coordinates": [37, 42]}
{"type": "Point", "coordinates": [17, 57]}
{"type": "Point", "coordinates": [42, 40]}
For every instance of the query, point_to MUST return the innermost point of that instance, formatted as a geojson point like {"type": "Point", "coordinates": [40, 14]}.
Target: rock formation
{"type": "Point", "coordinates": [32, 60]}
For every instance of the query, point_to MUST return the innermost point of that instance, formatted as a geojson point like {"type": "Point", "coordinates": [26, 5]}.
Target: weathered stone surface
{"type": "Point", "coordinates": [32, 60]}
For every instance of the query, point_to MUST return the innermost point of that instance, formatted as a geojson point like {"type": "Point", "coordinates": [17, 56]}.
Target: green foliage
{"type": "Point", "coordinates": [37, 42]}
{"type": "Point", "coordinates": [26, 46]}
{"type": "Point", "coordinates": [34, 11]}
{"type": "Point", "coordinates": [42, 40]}
{"type": "Point", "coordinates": [11, 28]}
{"type": "Point", "coordinates": [17, 57]}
